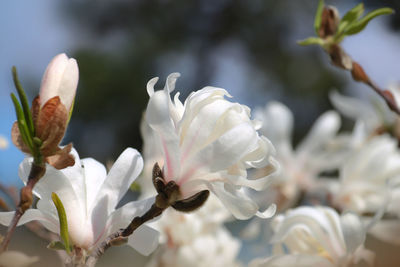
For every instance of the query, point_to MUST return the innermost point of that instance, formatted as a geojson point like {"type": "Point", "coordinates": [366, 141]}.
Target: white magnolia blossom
{"type": "Point", "coordinates": [369, 183]}
{"type": "Point", "coordinates": [195, 239]}
{"type": "Point", "coordinates": [320, 150]}
{"type": "Point", "coordinates": [60, 79]}
{"type": "Point", "coordinates": [373, 115]}
{"type": "Point", "coordinates": [3, 142]}
{"type": "Point", "coordinates": [317, 236]}
{"type": "Point", "coordinates": [209, 143]}
{"type": "Point", "coordinates": [90, 196]}
{"type": "Point", "coordinates": [12, 258]}
{"type": "Point", "coordinates": [212, 249]}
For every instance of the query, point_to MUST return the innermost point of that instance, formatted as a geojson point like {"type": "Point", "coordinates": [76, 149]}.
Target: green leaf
{"type": "Point", "coordinates": [311, 41]}
{"type": "Point", "coordinates": [62, 216]}
{"type": "Point", "coordinates": [318, 16]}
{"type": "Point", "coordinates": [362, 23]}
{"type": "Point", "coordinates": [350, 17]}
{"type": "Point", "coordinates": [56, 245]}
{"type": "Point", "coordinates": [135, 187]}
{"type": "Point", "coordinates": [23, 128]}
{"type": "Point", "coordinates": [24, 102]}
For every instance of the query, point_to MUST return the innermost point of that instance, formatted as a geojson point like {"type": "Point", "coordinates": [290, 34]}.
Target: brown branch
{"type": "Point", "coordinates": [342, 60]}
{"type": "Point", "coordinates": [120, 237]}
{"type": "Point", "coordinates": [26, 198]}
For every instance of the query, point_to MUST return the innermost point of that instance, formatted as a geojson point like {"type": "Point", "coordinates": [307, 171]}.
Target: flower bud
{"type": "Point", "coordinates": [50, 112]}
{"type": "Point", "coordinates": [60, 79]}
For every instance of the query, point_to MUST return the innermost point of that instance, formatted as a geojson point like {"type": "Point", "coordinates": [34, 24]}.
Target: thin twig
{"type": "Point", "coordinates": [120, 237]}
{"type": "Point", "coordinates": [26, 198]}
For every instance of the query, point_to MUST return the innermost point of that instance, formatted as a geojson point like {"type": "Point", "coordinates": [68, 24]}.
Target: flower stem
{"type": "Point", "coordinates": [38, 169]}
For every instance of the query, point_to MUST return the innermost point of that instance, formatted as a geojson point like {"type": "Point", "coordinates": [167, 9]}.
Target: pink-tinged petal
{"type": "Point", "coordinates": [144, 240]}
{"type": "Point", "coordinates": [122, 174]}
{"type": "Point", "coordinates": [52, 77]}
{"type": "Point", "coordinates": [60, 79]}
{"type": "Point", "coordinates": [159, 118]}
{"type": "Point", "coordinates": [31, 215]}
{"type": "Point", "coordinates": [69, 83]}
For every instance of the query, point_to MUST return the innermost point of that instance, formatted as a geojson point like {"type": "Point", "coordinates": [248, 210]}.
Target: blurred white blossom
{"type": "Point", "coordinates": [319, 151]}
{"type": "Point", "coordinates": [196, 239]}
{"type": "Point", "coordinates": [13, 258]}
{"type": "Point", "coordinates": [369, 183]}
{"type": "Point", "coordinates": [317, 236]}
{"type": "Point", "coordinates": [210, 143]}
{"type": "Point", "coordinates": [90, 197]}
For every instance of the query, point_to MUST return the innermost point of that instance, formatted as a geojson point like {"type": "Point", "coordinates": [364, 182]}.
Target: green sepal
{"type": "Point", "coordinates": [318, 16]}
{"type": "Point", "coordinates": [56, 245]}
{"type": "Point", "coordinates": [135, 187]}
{"type": "Point", "coordinates": [363, 22]}
{"type": "Point", "coordinates": [62, 216]}
{"type": "Point", "coordinates": [312, 41]}
{"type": "Point", "coordinates": [23, 127]}
{"type": "Point", "coordinates": [350, 17]}
{"type": "Point", "coordinates": [24, 102]}
{"type": "Point", "coordinates": [70, 110]}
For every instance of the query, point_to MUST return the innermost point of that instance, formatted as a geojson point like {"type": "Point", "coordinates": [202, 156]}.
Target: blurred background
{"type": "Point", "coordinates": [246, 47]}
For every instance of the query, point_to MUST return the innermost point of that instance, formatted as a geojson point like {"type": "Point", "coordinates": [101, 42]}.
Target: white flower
{"type": "Point", "coordinates": [364, 176]}
{"type": "Point", "coordinates": [209, 143]}
{"type": "Point", "coordinates": [195, 239]}
{"type": "Point", "coordinates": [320, 150]}
{"type": "Point", "coordinates": [217, 248]}
{"type": "Point", "coordinates": [90, 197]}
{"type": "Point", "coordinates": [369, 184]}
{"type": "Point", "coordinates": [12, 258]}
{"type": "Point", "coordinates": [60, 79]}
{"type": "Point", "coordinates": [317, 236]}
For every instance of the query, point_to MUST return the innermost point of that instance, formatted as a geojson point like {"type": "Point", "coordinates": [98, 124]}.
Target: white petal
{"type": "Point", "coordinates": [95, 173]}
{"type": "Point", "coordinates": [144, 240]}
{"type": "Point", "coordinates": [69, 83]}
{"type": "Point", "coordinates": [60, 79]}
{"type": "Point", "coordinates": [31, 215]}
{"type": "Point", "coordinates": [355, 109]}
{"type": "Point", "coordinates": [240, 205]}
{"type": "Point", "coordinates": [353, 231]}
{"type": "Point", "coordinates": [52, 77]}
{"type": "Point", "coordinates": [387, 231]}
{"type": "Point", "coordinates": [277, 125]}
{"type": "Point", "coordinates": [124, 171]}
{"type": "Point", "coordinates": [121, 217]}
{"type": "Point", "coordinates": [325, 127]}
